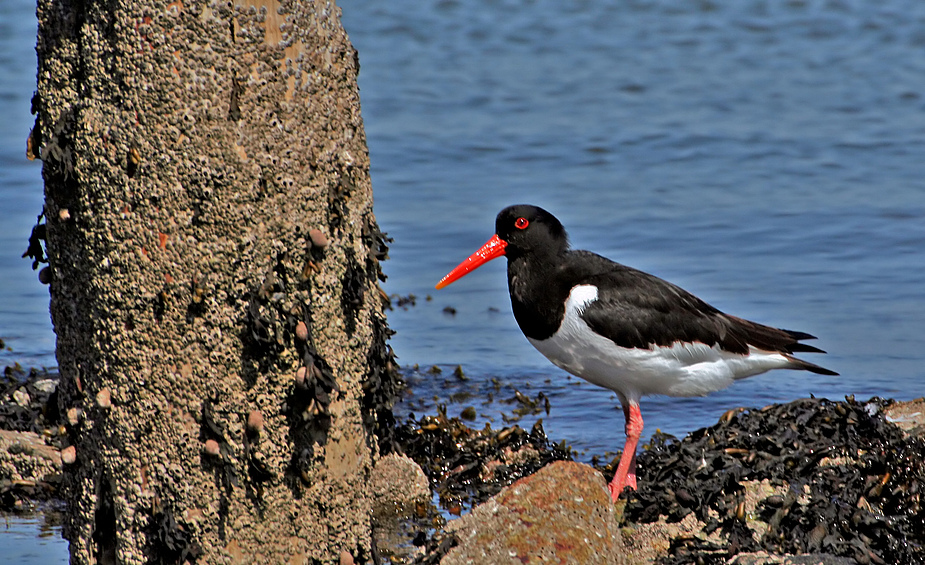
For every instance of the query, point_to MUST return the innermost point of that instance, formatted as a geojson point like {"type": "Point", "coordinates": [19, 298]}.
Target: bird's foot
{"type": "Point", "coordinates": [616, 486]}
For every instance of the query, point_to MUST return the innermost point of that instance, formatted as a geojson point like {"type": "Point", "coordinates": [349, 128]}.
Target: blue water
{"type": "Point", "coordinates": [767, 156]}
{"type": "Point", "coordinates": [25, 325]}
{"type": "Point", "coordinates": [29, 539]}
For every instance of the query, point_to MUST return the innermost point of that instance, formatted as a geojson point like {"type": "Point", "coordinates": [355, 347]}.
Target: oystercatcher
{"type": "Point", "coordinates": [621, 328]}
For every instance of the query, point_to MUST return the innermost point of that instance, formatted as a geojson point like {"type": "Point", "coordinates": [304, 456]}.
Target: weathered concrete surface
{"type": "Point", "coordinates": [210, 233]}
{"type": "Point", "coordinates": [561, 514]}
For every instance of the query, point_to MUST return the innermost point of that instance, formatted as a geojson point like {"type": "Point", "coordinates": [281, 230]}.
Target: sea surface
{"type": "Point", "coordinates": [767, 156]}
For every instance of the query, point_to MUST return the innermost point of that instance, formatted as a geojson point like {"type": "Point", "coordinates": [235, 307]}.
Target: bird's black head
{"type": "Point", "coordinates": [530, 229]}
{"type": "Point", "coordinates": [520, 231]}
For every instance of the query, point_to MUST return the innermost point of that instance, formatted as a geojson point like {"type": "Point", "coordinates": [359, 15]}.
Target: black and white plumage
{"type": "Point", "coordinates": [621, 328]}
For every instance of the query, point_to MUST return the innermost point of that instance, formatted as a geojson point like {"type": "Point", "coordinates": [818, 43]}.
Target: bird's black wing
{"type": "Point", "coordinates": [636, 310]}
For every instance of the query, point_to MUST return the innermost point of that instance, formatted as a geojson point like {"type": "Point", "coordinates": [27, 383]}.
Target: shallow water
{"type": "Point", "coordinates": [29, 539]}
{"type": "Point", "coordinates": [765, 156]}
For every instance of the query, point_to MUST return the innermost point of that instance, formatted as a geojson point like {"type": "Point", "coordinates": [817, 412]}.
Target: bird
{"type": "Point", "coordinates": [621, 328]}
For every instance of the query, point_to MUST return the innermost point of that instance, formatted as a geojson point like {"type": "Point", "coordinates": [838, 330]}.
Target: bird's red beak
{"type": "Point", "coordinates": [492, 249]}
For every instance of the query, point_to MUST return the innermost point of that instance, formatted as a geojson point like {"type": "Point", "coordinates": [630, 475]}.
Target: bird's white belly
{"type": "Point", "coordinates": [682, 369]}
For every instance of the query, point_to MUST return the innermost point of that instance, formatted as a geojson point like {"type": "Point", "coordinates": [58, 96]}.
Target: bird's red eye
{"type": "Point", "coordinates": [521, 223]}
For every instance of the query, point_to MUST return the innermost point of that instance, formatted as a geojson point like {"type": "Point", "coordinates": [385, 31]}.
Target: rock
{"type": "Point", "coordinates": [21, 397]}
{"type": "Point", "coordinates": [29, 470]}
{"type": "Point", "coordinates": [909, 416]}
{"type": "Point", "coordinates": [401, 506]}
{"type": "Point", "coordinates": [47, 386]}
{"type": "Point", "coordinates": [561, 514]}
{"type": "Point", "coordinates": [30, 450]}
{"type": "Point", "coordinates": [397, 483]}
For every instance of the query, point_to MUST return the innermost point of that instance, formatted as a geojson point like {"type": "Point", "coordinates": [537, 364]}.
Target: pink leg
{"type": "Point", "coordinates": [626, 470]}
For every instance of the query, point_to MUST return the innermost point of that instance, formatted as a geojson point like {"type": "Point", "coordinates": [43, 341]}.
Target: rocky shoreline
{"type": "Point", "coordinates": [30, 456]}
{"type": "Point", "coordinates": [811, 481]}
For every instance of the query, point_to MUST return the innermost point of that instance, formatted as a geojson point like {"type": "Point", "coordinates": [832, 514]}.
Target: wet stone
{"type": "Point", "coordinates": [561, 514]}
{"type": "Point", "coordinates": [397, 484]}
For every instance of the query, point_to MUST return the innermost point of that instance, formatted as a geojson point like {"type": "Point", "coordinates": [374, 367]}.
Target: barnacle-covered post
{"type": "Point", "coordinates": [210, 238]}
